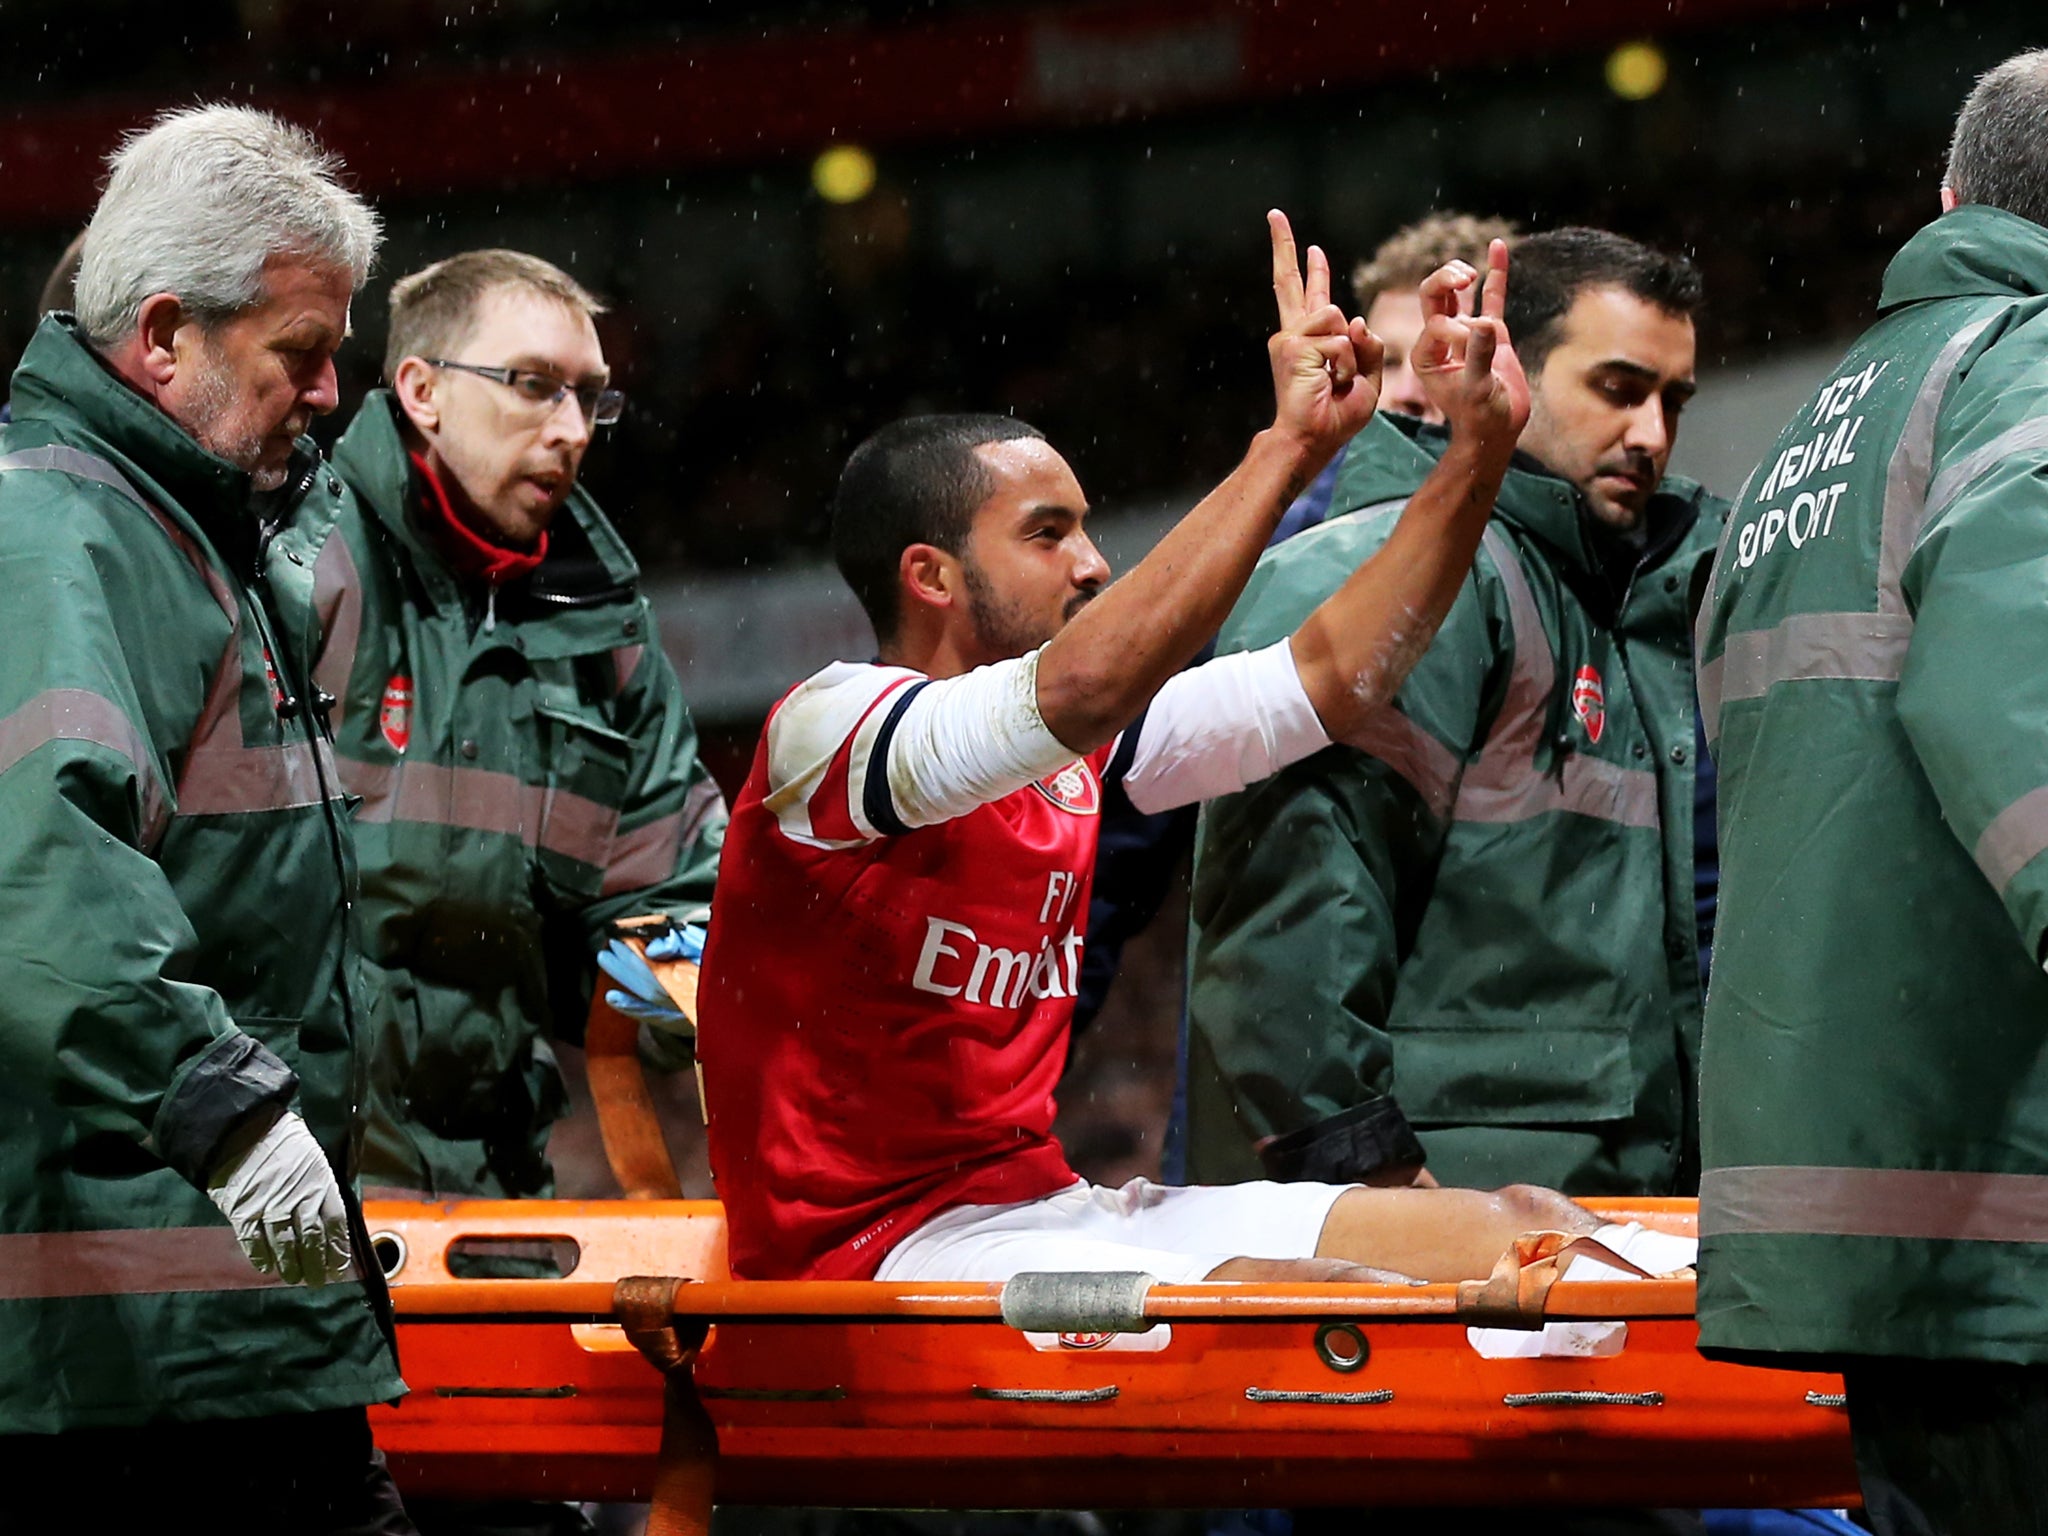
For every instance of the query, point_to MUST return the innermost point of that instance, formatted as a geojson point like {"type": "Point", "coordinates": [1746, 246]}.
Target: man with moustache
{"type": "Point", "coordinates": [1470, 940]}
{"type": "Point", "coordinates": [182, 1278]}
{"type": "Point", "coordinates": [527, 766]}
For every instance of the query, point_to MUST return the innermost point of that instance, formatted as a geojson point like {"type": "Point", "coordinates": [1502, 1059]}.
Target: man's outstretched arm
{"type": "Point", "coordinates": [1353, 652]}
{"type": "Point", "coordinates": [1100, 671]}
{"type": "Point", "coordinates": [1217, 728]}
{"type": "Point", "coordinates": [941, 748]}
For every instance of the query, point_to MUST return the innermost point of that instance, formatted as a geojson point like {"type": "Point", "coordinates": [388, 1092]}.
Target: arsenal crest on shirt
{"type": "Point", "coordinates": [1072, 789]}
{"type": "Point", "coordinates": [1589, 702]}
{"type": "Point", "coordinates": [394, 715]}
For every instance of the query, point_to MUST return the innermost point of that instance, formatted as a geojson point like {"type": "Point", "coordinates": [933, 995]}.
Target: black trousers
{"type": "Point", "coordinates": [1950, 1447]}
{"type": "Point", "coordinates": [309, 1474]}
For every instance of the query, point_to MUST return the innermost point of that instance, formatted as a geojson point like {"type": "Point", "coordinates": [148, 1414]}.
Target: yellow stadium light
{"type": "Point", "coordinates": [1637, 71]}
{"type": "Point", "coordinates": [845, 173]}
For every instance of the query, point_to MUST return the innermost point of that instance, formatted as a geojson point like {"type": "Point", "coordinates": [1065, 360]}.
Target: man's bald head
{"type": "Point", "coordinates": [1999, 155]}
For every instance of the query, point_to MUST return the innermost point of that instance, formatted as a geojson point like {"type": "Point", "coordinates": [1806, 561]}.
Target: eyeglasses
{"type": "Point", "coordinates": [601, 407]}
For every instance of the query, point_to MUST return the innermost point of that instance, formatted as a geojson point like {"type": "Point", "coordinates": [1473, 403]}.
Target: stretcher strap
{"type": "Point", "coordinates": [626, 1118]}
{"type": "Point", "coordinates": [1514, 1294]}
{"type": "Point", "coordinates": [684, 1477]}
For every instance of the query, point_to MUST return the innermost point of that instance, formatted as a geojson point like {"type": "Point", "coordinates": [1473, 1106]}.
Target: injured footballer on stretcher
{"type": "Point", "coordinates": [889, 977]}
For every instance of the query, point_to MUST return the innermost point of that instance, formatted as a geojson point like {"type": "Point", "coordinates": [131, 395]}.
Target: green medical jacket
{"type": "Point", "coordinates": [1874, 667]}
{"type": "Point", "coordinates": [1480, 934]}
{"type": "Point", "coordinates": [176, 947]}
{"type": "Point", "coordinates": [528, 773]}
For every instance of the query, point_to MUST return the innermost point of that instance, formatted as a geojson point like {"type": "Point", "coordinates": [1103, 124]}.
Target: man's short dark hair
{"type": "Point", "coordinates": [1550, 270]}
{"type": "Point", "coordinates": [1999, 155]}
{"type": "Point", "coordinates": [916, 481]}
{"type": "Point", "coordinates": [434, 310]}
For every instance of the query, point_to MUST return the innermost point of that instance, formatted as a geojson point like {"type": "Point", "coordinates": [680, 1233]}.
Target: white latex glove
{"type": "Point", "coordinates": [282, 1199]}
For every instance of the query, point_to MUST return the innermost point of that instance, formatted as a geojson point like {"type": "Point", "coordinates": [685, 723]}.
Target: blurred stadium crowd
{"type": "Point", "coordinates": [1091, 278]}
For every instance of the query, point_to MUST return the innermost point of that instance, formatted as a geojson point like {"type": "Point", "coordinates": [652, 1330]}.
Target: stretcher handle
{"type": "Point", "coordinates": [1089, 1301]}
{"type": "Point", "coordinates": [626, 1118]}
{"type": "Point", "coordinates": [871, 1301]}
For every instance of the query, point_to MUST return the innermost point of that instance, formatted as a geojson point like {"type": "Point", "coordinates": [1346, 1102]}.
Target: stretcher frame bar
{"type": "Point", "coordinates": [882, 1302]}
{"type": "Point", "coordinates": [686, 1239]}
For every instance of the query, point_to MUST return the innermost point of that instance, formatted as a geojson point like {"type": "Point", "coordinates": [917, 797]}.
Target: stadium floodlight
{"type": "Point", "coordinates": [845, 173]}
{"type": "Point", "coordinates": [1637, 71]}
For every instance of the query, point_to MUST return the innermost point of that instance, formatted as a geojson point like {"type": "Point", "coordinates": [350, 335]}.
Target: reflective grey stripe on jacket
{"type": "Point", "coordinates": [483, 800]}
{"type": "Point", "coordinates": [75, 714]}
{"type": "Point", "coordinates": [222, 776]}
{"type": "Point", "coordinates": [1875, 1202]}
{"type": "Point", "coordinates": [338, 601]}
{"type": "Point", "coordinates": [125, 1261]}
{"type": "Point", "coordinates": [647, 855]}
{"type": "Point", "coordinates": [1505, 783]}
{"type": "Point", "coordinates": [1430, 768]}
{"type": "Point", "coordinates": [1847, 647]}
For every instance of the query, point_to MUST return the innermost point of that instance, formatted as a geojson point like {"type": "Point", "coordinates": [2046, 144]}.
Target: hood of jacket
{"type": "Point", "coordinates": [1972, 251]}
{"type": "Point", "coordinates": [62, 383]}
{"type": "Point", "coordinates": [1394, 453]}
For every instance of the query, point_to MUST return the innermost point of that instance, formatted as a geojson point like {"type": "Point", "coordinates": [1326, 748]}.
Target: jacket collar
{"type": "Point", "coordinates": [1547, 509]}
{"type": "Point", "coordinates": [61, 380]}
{"type": "Point", "coordinates": [466, 551]}
{"type": "Point", "coordinates": [1971, 251]}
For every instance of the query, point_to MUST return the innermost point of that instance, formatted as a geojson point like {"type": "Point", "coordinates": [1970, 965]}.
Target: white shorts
{"type": "Point", "coordinates": [1177, 1235]}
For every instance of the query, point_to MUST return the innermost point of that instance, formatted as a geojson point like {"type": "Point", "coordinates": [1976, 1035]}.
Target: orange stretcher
{"type": "Point", "coordinates": [854, 1394]}
{"type": "Point", "coordinates": [646, 1371]}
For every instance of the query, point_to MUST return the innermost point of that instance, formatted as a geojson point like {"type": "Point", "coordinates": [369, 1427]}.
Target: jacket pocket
{"type": "Point", "coordinates": [1511, 1069]}
{"type": "Point", "coordinates": [585, 765]}
{"type": "Point", "coordinates": [438, 1055]}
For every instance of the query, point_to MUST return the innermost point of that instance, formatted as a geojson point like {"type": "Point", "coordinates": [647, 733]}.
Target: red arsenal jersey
{"type": "Point", "coordinates": [884, 1009]}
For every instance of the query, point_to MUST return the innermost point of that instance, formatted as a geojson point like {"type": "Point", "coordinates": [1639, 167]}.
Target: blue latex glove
{"type": "Point", "coordinates": [684, 943]}
{"type": "Point", "coordinates": [643, 996]}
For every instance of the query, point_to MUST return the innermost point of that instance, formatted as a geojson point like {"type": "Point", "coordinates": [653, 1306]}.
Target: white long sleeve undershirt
{"type": "Point", "coordinates": [952, 744]}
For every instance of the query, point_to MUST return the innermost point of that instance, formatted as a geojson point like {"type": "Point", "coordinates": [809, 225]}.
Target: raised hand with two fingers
{"type": "Point", "coordinates": [1466, 362]}
{"type": "Point", "coordinates": [1326, 367]}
